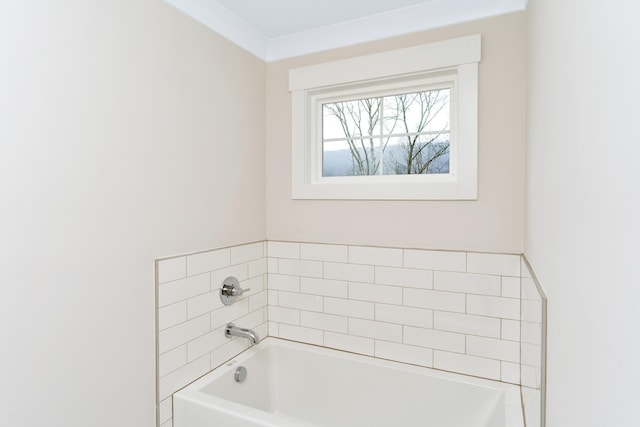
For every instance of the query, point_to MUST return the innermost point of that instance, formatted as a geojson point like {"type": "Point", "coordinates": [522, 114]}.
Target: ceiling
{"type": "Point", "coordinates": [277, 18]}
{"type": "Point", "coordinates": [277, 29]}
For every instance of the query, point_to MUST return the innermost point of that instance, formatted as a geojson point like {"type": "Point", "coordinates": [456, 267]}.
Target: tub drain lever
{"type": "Point", "coordinates": [241, 374]}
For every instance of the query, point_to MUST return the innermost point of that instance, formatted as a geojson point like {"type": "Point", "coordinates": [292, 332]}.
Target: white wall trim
{"type": "Point", "coordinates": [454, 60]}
{"type": "Point", "coordinates": [437, 13]}
{"type": "Point", "coordinates": [434, 14]}
{"type": "Point", "coordinates": [436, 55]}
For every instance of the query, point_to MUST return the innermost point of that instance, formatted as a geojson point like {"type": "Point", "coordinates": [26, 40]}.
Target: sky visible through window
{"type": "Point", "coordinates": [391, 135]}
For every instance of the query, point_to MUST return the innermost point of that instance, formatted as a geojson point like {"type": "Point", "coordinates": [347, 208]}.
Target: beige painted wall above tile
{"type": "Point", "coordinates": [493, 223]}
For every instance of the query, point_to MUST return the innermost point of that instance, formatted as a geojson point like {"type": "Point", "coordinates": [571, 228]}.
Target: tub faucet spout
{"type": "Point", "coordinates": [233, 331]}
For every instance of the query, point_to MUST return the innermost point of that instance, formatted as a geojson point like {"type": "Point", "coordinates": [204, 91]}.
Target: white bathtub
{"type": "Point", "coordinates": [290, 384]}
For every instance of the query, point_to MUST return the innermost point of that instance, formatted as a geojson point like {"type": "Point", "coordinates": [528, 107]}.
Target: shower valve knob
{"type": "Point", "coordinates": [231, 290]}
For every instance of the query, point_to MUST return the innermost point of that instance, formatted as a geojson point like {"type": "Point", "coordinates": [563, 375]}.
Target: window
{"type": "Point", "coordinates": [396, 125]}
{"type": "Point", "coordinates": [400, 134]}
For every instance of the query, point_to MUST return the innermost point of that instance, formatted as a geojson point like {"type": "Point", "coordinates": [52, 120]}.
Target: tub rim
{"type": "Point", "coordinates": [514, 415]}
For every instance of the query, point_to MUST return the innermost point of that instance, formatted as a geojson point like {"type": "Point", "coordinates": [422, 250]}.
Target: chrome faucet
{"type": "Point", "coordinates": [233, 331]}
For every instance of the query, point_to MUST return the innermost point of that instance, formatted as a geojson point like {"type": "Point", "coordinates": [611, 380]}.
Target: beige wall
{"type": "Point", "coordinates": [583, 208]}
{"type": "Point", "coordinates": [492, 223]}
{"type": "Point", "coordinates": [127, 132]}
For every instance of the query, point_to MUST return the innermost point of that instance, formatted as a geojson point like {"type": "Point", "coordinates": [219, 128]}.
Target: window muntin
{"type": "Point", "coordinates": [397, 134]}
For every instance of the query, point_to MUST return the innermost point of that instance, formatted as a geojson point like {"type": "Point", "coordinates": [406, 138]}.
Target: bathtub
{"type": "Point", "coordinates": [290, 384]}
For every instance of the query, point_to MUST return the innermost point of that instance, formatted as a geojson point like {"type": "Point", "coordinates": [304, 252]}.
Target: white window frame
{"type": "Point", "coordinates": [451, 63]}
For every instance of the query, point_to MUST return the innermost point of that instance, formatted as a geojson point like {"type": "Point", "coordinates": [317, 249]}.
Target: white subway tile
{"type": "Point", "coordinates": [300, 301]}
{"type": "Point", "coordinates": [251, 320]}
{"type": "Point", "coordinates": [531, 311]}
{"type": "Point", "coordinates": [239, 271]}
{"type": "Point", "coordinates": [350, 343]}
{"type": "Point", "coordinates": [172, 269]}
{"type": "Point", "coordinates": [252, 286]}
{"type": "Point", "coordinates": [326, 322]}
{"type": "Point", "coordinates": [325, 287]}
{"type": "Point", "coordinates": [320, 252]}
{"type": "Point", "coordinates": [510, 372]}
{"type": "Point", "coordinates": [205, 344]}
{"type": "Point", "coordinates": [530, 377]}
{"type": "Point", "coordinates": [465, 364]}
{"type": "Point", "coordinates": [510, 330]}
{"type": "Point", "coordinates": [524, 269]}
{"type": "Point", "coordinates": [298, 333]}
{"type": "Point", "coordinates": [434, 339]}
{"type": "Point", "coordinates": [172, 360]}
{"type": "Point", "coordinates": [498, 264]}
{"type": "Point", "coordinates": [295, 267]}
{"type": "Point", "coordinates": [208, 261]}
{"type": "Point", "coordinates": [227, 351]}
{"type": "Point", "coordinates": [467, 324]}
{"type": "Point", "coordinates": [506, 308]}
{"type": "Point", "coordinates": [404, 315]}
{"type": "Point", "coordinates": [435, 300]}
{"type": "Point", "coordinates": [182, 333]}
{"type": "Point", "coordinates": [258, 300]}
{"type": "Point", "coordinates": [171, 315]}
{"type": "Point", "coordinates": [435, 260]}
{"type": "Point", "coordinates": [528, 290]}
{"type": "Point", "coordinates": [166, 410]}
{"type": "Point", "coordinates": [349, 272]}
{"type": "Point", "coordinates": [284, 315]}
{"type": "Point", "coordinates": [179, 378]}
{"type": "Point", "coordinates": [373, 329]}
{"type": "Point", "coordinates": [375, 256]}
{"type": "Point", "coordinates": [531, 333]}
{"type": "Point", "coordinates": [404, 353]}
{"type": "Point", "coordinates": [272, 265]}
{"type": "Point", "coordinates": [183, 289]}
{"type": "Point", "coordinates": [249, 252]}
{"type": "Point", "coordinates": [257, 267]}
{"type": "Point", "coordinates": [510, 287]}
{"type": "Point", "coordinates": [410, 277]}
{"type": "Point", "coordinates": [280, 282]}
{"type": "Point", "coordinates": [531, 354]}
{"type": "Point", "coordinates": [202, 304]}
{"type": "Point", "coordinates": [466, 282]}
{"type": "Point", "coordinates": [283, 250]}
{"type": "Point", "coordinates": [274, 329]}
{"type": "Point", "coordinates": [375, 293]}
{"type": "Point", "coordinates": [492, 348]}
{"type": "Point", "coordinates": [351, 308]}
{"type": "Point", "coordinates": [229, 313]}
{"type": "Point", "coordinates": [272, 297]}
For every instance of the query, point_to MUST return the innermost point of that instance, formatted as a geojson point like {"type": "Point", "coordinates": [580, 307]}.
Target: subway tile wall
{"type": "Point", "coordinates": [456, 311]}
{"type": "Point", "coordinates": [191, 317]}
{"type": "Point", "coordinates": [471, 313]}
{"type": "Point", "coordinates": [532, 338]}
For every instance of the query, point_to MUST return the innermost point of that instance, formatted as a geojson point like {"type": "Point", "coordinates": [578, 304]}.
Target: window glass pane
{"type": "Point", "coordinates": [417, 154]}
{"type": "Point", "coordinates": [351, 157]}
{"type": "Point", "coordinates": [417, 112]}
{"type": "Point", "coordinates": [351, 118]}
{"type": "Point", "coordinates": [331, 126]}
{"type": "Point", "coordinates": [413, 140]}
